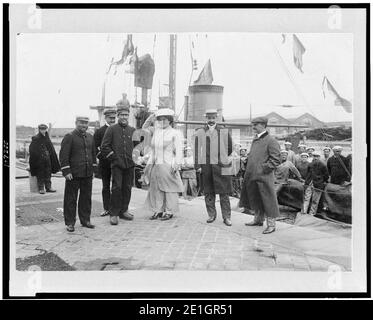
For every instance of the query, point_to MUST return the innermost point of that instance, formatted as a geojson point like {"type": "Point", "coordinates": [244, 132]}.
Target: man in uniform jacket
{"type": "Point", "coordinates": [315, 183]}
{"type": "Point", "coordinates": [258, 191]}
{"type": "Point", "coordinates": [104, 164]}
{"type": "Point", "coordinates": [213, 144]}
{"type": "Point", "coordinates": [117, 146]}
{"type": "Point", "coordinates": [43, 159]}
{"type": "Point", "coordinates": [78, 163]}
{"type": "Point", "coordinates": [338, 167]}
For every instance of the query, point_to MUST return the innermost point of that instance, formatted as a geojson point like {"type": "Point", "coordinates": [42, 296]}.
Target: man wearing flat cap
{"type": "Point", "coordinates": [338, 167]}
{"type": "Point", "coordinates": [117, 146]}
{"type": "Point", "coordinates": [43, 159]}
{"type": "Point", "coordinates": [303, 165]}
{"type": "Point", "coordinates": [284, 171]}
{"type": "Point", "coordinates": [326, 150]}
{"type": "Point", "coordinates": [104, 164]}
{"type": "Point", "coordinates": [310, 151]}
{"type": "Point", "coordinates": [258, 191]}
{"type": "Point", "coordinates": [213, 145]}
{"type": "Point", "coordinates": [78, 164]}
{"type": "Point", "coordinates": [315, 183]}
{"type": "Point", "coordinates": [300, 149]}
{"type": "Point", "coordinates": [291, 153]}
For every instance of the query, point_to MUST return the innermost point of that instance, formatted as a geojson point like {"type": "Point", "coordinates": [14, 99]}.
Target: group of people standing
{"type": "Point", "coordinates": [266, 168]}
{"type": "Point", "coordinates": [315, 170]}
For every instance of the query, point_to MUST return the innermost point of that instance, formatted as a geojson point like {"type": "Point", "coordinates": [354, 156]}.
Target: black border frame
{"type": "Point", "coordinates": [173, 295]}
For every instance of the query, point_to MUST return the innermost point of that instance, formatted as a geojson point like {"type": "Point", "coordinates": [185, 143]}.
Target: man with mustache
{"type": "Point", "coordinates": [258, 191]}
{"type": "Point", "coordinates": [78, 163]}
{"type": "Point", "coordinates": [117, 147]}
{"type": "Point", "coordinates": [213, 144]}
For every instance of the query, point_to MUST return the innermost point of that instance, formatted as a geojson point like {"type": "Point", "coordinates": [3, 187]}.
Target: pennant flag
{"type": "Point", "coordinates": [205, 77]}
{"type": "Point", "coordinates": [129, 64]}
{"type": "Point", "coordinates": [111, 63]}
{"type": "Point", "coordinates": [338, 100]}
{"type": "Point", "coordinates": [298, 51]}
{"type": "Point", "coordinates": [127, 50]}
{"type": "Point", "coordinates": [283, 38]}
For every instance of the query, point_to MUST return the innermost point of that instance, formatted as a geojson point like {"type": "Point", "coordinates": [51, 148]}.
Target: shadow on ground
{"type": "Point", "coordinates": [46, 261]}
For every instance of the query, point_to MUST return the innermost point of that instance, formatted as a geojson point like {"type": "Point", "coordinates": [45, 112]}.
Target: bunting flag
{"type": "Point", "coordinates": [111, 63]}
{"type": "Point", "coordinates": [338, 100]}
{"type": "Point", "coordinates": [298, 51]}
{"type": "Point", "coordinates": [129, 64]}
{"type": "Point", "coordinates": [283, 38]}
{"type": "Point", "coordinates": [205, 77]}
{"type": "Point", "coordinates": [127, 51]}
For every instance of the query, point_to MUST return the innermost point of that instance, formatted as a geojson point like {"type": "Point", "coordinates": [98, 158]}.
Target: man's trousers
{"type": "Point", "coordinates": [72, 187]}
{"type": "Point", "coordinates": [121, 190]}
{"type": "Point", "coordinates": [106, 179]}
{"type": "Point", "coordinates": [315, 194]}
{"type": "Point", "coordinates": [225, 205]}
{"type": "Point", "coordinates": [44, 181]}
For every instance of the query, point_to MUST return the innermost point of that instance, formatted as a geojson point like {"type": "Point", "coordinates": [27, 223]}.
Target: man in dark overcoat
{"type": "Point", "coordinates": [104, 164]}
{"type": "Point", "coordinates": [43, 159]}
{"type": "Point", "coordinates": [78, 164]}
{"type": "Point", "coordinates": [117, 146]}
{"type": "Point", "coordinates": [338, 167]}
{"type": "Point", "coordinates": [258, 191]}
{"type": "Point", "coordinates": [213, 144]}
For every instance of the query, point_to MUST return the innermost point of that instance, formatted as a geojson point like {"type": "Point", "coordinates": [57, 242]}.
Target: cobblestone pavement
{"type": "Point", "coordinates": [185, 242]}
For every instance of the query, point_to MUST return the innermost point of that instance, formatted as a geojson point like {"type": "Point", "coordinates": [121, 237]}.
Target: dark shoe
{"type": "Point", "coordinates": [51, 190]}
{"type": "Point", "coordinates": [126, 216]}
{"type": "Point", "coordinates": [254, 223]}
{"type": "Point", "coordinates": [41, 191]}
{"type": "Point", "coordinates": [211, 219]}
{"type": "Point", "coordinates": [88, 225]}
{"type": "Point", "coordinates": [269, 230]}
{"type": "Point", "coordinates": [105, 213]}
{"type": "Point", "coordinates": [114, 220]}
{"type": "Point", "coordinates": [167, 216]}
{"type": "Point", "coordinates": [129, 213]}
{"type": "Point", "coordinates": [70, 228]}
{"type": "Point", "coordinates": [156, 215]}
{"type": "Point", "coordinates": [228, 222]}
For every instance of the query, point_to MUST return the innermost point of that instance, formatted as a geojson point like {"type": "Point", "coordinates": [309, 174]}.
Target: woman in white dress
{"type": "Point", "coordinates": [164, 161]}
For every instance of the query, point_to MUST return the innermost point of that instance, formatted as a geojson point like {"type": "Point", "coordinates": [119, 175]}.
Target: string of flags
{"type": "Point", "coordinates": [327, 88]}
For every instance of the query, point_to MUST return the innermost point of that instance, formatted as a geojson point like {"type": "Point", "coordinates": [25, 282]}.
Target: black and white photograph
{"type": "Point", "coordinates": [188, 150]}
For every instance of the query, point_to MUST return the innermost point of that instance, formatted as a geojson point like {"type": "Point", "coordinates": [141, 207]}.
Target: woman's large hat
{"type": "Point", "coordinates": [164, 112]}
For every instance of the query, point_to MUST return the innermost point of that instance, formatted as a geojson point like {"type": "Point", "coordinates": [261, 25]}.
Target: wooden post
{"type": "Point", "coordinates": [144, 96]}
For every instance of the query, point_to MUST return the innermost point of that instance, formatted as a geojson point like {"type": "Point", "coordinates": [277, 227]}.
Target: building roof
{"type": "Point", "coordinates": [312, 119]}
{"type": "Point", "coordinates": [279, 119]}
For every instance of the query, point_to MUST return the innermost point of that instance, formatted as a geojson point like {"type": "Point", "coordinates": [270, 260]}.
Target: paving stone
{"type": "Point", "coordinates": [183, 243]}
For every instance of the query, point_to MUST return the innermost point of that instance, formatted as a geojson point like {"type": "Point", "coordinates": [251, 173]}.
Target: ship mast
{"type": "Point", "coordinates": [172, 70]}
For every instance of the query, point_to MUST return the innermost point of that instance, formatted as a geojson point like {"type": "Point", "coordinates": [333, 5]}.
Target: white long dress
{"type": "Point", "coordinates": [166, 153]}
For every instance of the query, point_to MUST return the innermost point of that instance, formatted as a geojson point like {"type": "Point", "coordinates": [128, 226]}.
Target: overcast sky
{"type": "Point", "coordinates": [60, 75]}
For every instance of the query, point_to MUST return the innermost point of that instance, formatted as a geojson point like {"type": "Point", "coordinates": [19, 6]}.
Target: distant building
{"type": "Point", "coordinates": [308, 120]}
{"type": "Point", "coordinates": [23, 132]}
{"type": "Point", "coordinates": [345, 124]}
{"type": "Point", "coordinates": [275, 118]}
